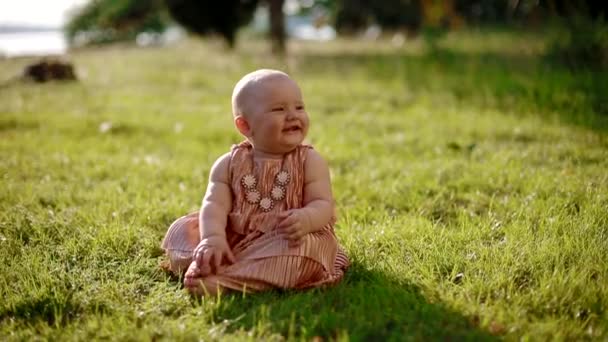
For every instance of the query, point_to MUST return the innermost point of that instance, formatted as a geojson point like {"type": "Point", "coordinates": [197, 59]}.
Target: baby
{"type": "Point", "coordinates": [267, 217]}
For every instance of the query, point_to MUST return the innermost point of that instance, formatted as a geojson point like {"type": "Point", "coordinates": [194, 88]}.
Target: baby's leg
{"type": "Point", "coordinates": [179, 243]}
{"type": "Point", "coordinates": [178, 263]}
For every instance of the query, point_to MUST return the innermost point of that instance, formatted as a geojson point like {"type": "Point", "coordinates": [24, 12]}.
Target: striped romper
{"type": "Point", "coordinates": [264, 260]}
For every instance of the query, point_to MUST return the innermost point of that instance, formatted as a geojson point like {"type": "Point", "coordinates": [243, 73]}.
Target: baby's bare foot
{"type": "Point", "coordinates": [200, 286]}
{"type": "Point", "coordinates": [193, 270]}
{"type": "Point", "coordinates": [195, 282]}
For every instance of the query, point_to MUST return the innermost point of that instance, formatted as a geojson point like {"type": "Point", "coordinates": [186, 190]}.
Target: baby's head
{"type": "Point", "coordinates": [269, 111]}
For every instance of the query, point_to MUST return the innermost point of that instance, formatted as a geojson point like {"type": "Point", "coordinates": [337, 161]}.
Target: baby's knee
{"type": "Point", "coordinates": [178, 263]}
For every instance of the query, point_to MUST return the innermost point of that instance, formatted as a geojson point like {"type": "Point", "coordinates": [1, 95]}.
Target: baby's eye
{"type": "Point", "coordinates": [276, 109]}
{"type": "Point", "coordinates": [300, 107]}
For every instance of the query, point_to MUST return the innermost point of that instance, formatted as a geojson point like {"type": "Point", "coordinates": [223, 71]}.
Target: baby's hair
{"type": "Point", "coordinates": [244, 86]}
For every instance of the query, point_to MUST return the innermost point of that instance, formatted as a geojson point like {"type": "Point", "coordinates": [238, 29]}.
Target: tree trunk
{"type": "Point", "coordinates": [277, 26]}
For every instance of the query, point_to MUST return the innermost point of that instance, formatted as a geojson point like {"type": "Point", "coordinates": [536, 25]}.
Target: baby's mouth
{"type": "Point", "coordinates": [291, 129]}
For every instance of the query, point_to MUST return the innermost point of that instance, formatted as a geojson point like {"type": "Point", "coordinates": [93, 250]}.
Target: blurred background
{"type": "Point", "coordinates": [578, 37]}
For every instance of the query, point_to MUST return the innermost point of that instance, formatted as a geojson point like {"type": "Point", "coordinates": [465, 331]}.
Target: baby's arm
{"type": "Point", "coordinates": [217, 202]}
{"type": "Point", "coordinates": [213, 216]}
{"type": "Point", "coordinates": [318, 200]}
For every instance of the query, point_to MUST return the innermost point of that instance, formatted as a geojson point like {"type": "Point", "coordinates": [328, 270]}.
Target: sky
{"type": "Point", "coordinates": [36, 12]}
{"type": "Point", "coordinates": [53, 12]}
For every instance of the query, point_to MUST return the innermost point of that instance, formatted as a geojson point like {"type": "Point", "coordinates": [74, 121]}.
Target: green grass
{"type": "Point", "coordinates": [471, 182]}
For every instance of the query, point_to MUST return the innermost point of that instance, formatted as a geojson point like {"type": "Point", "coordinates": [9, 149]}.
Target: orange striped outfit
{"type": "Point", "coordinates": [263, 258]}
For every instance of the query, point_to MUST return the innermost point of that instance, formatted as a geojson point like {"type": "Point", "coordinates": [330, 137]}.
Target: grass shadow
{"type": "Point", "coordinates": [367, 305]}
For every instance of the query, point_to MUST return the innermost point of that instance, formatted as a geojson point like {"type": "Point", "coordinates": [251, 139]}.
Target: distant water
{"type": "Point", "coordinates": [32, 43]}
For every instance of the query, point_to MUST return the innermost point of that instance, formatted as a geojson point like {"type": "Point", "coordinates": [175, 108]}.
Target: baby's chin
{"type": "Point", "coordinates": [288, 145]}
{"type": "Point", "coordinates": [294, 137]}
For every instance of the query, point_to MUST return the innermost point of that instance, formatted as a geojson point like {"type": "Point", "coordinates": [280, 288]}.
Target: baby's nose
{"type": "Point", "coordinates": [291, 113]}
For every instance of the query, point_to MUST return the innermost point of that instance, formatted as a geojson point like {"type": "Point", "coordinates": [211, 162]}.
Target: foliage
{"type": "Point", "coordinates": [102, 21]}
{"type": "Point", "coordinates": [470, 183]}
{"type": "Point", "coordinates": [203, 17]}
{"type": "Point", "coordinates": [583, 44]}
{"type": "Point", "coordinates": [500, 11]}
{"type": "Point", "coordinates": [411, 14]}
{"type": "Point", "coordinates": [352, 15]}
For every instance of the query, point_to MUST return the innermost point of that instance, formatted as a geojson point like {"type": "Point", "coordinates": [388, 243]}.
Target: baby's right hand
{"type": "Point", "coordinates": [210, 252]}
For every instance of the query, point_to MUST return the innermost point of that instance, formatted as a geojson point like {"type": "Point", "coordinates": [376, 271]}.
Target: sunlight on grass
{"type": "Point", "coordinates": [471, 185]}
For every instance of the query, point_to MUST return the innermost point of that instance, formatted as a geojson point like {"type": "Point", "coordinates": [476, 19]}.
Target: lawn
{"type": "Point", "coordinates": [471, 182]}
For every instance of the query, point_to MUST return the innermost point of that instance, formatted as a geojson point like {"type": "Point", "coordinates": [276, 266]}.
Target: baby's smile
{"type": "Point", "coordinates": [292, 128]}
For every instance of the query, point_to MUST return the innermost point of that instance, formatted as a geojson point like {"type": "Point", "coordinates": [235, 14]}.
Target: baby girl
{"type": "Point", "coordinates": [267, 216]}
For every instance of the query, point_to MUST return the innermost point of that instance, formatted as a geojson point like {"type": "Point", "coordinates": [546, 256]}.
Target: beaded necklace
{"type": "Point", "coordinates": [253, 195]}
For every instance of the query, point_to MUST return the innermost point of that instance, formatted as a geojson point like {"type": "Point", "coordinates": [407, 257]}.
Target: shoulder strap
{"type": "Point", "coordinates": [234, 149]}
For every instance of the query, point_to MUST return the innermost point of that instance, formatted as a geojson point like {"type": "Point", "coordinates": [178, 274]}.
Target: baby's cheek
{"type": "Point", "coordinates": [277, 125]}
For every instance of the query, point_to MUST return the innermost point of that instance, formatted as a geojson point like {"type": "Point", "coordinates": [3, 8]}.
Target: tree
{"type": "Point", "coordinates": [277, 26]}
{"type": "Point", "coordinates": [103, 21]}
{"type": "Point", "coordinates": [353, 15]}
{"type": "Point", "coordinates": [225, 17]}
{"type": "Point", "coordinates": [584, 42]}
{"type": "Point", "coordinates": [109, 20]}
{"type": "Point", "coordinates": [206, 16]}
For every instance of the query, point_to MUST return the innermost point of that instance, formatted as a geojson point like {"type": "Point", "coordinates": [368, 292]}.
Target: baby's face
{"type": "Point", "coordinates": [276, 115]}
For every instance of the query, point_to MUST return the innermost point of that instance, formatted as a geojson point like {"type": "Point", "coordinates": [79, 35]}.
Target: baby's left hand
{"type": "Point", "coordinates": [294, 224]}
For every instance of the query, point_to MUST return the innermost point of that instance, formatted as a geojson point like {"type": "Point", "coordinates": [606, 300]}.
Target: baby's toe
{"type": "Point", "coordinates": [191, 282]}
{"type": "Point", "coordinates": [193, 271]}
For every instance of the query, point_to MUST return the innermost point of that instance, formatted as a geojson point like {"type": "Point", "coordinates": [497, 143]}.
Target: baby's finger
{"type": "Point", "coordinates": [294, 236]}
{"type": "Point", "coordinates": [230, 256]}
{"type": "Point", "coordinates": [199, 251]}
{"type": "Point", "coordinates": [287, 229]}
{"type": "Point", "coordinates": [284, 214]}
{"type": "Point", "coordinates": [290, 220]}
{"type": "Point", "coordinates": [295, 243]}
{"type": "Point", "coordinates": [283, 223]}
{"type": "Point", "coordinates": [198, 256]}
{"type": "Point", "coordinates": [206, 260]}
{"type": "Point", "coordinates": [217, 260]}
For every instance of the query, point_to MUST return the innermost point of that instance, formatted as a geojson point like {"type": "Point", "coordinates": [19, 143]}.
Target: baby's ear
{"type": "Point", "coordinates": [242, 125]}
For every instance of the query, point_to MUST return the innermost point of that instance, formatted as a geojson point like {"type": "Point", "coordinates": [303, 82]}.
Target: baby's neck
{"type": "Point", "coordinates": [257, 154]}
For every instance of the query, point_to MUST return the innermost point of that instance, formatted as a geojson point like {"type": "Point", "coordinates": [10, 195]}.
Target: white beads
{"type": "Point", "coordinates": [253, 196]}
{"type": "Point", "coordinates": [249, 181]}
{"type": "Point", "coordinates": [277, 193]}
{"type": "Point", "coordinates": [282, 178]}
{"type": "Point", "coordinates": [266, 204]}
